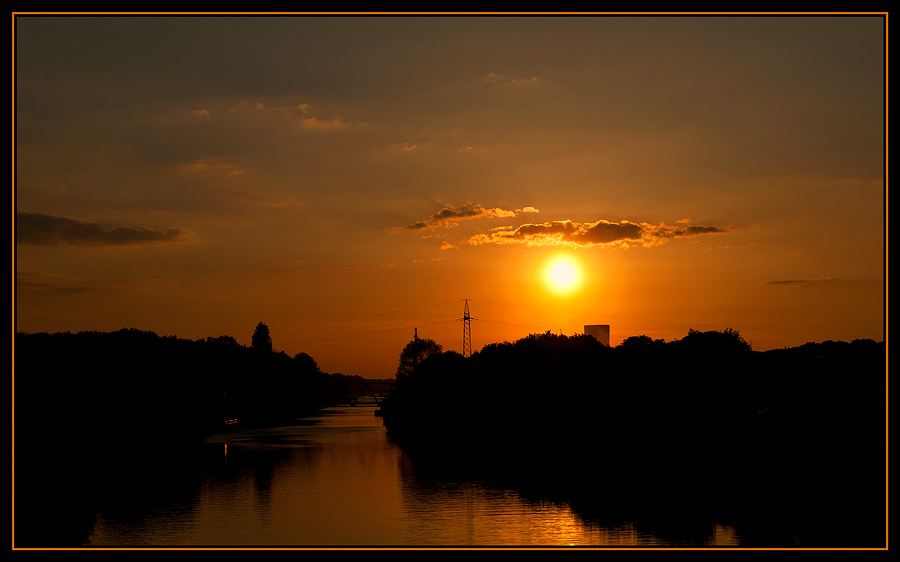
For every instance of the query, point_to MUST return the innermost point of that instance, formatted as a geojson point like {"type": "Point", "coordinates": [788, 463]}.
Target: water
{"type": "Point", "coordinates": [337, 480]}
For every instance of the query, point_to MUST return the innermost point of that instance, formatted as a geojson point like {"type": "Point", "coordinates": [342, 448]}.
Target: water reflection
{"type": "Point", "coordinates": [338, 480]}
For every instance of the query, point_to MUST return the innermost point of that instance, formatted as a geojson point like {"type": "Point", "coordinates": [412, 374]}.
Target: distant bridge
{"type": "Point", "coordinates": [351, 392]}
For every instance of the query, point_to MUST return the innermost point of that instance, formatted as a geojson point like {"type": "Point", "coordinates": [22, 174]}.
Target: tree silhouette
{"type": "Point", "coordinates": [306, 363]}
{"type": "Point", "coordinates": [261, 339]}
{"type": "Point", "coordinates": [634, 341]}
{"type": "Point", "coordinates": [727, 341]}
{"type": "Point", "coordinates": [414, 353]}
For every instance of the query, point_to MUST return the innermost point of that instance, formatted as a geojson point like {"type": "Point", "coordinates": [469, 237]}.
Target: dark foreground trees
{"type": "Point", "coordinates": [703, 419]}
{"type": "Point", "coordinates": [707, 384]}
{"type": "Point", "coordinates": [171, 388]}
{"type": "Point", "coordinates": [95, 408]}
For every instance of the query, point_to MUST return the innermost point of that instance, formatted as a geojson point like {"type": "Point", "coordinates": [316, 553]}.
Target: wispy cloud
{"type": "Point", "coordinates": [212, 174]}
{"type": "Point", "coordinates": [334, 123]}
{"type": "Point", "coordinates": [205, 169]}
{"type": "Point", "coordinates": [802, 281]}
{"type": "Point", "coordinates": [601, 232]}
{"type": "Point", "coordinates": [50, 283]}
{"type": "Point", "coordinates": [413, 147]}
{"type": "Point", "coordinates": [49, 230]}
{"type": "Point", "coordinates": [301, 114]}
{"type": "Point", "coordinates": [450, 216]}
{"type": "Point", "coordinates": [497, 79]}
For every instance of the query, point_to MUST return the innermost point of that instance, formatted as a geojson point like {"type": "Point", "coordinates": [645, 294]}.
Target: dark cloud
{"type": "Point", "coordinates": [696, 230]}
{"type": "Point", "coordinates": [802, 281]}
{"type": "Point", "coordinates": [604, 232]}
{"type": "Point", "coordinates": [528, 231]}
{"type": "Point", "coordinates": [48, 230]}
{"type": "Point", "coordinates": [601, 232]}
{"type": "Point", "coordinates": [449, 216]}
{"type": "Point", "coordinates": [50, 283]}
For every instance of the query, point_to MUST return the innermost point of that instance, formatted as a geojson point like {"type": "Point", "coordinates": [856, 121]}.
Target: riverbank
{"type": "Point", "coordinates": [800, 432]}
{"type": "Point", "coordinates": [93, 408]}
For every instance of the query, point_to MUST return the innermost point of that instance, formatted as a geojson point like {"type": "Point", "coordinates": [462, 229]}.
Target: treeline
{"type": "Point", "coordinates": [159, 387]}
{"type": "Point", "coordinates": [91, 408]}
{"type": "Point", "coordinates": [574, 414]}
{"type": "Point", "coordinates": [643, 388]}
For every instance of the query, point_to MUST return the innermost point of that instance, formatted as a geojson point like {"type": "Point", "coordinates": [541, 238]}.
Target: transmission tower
{"type": "Point", "coordinates": [467, 331]}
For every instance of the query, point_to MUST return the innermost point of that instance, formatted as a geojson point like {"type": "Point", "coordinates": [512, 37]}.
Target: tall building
{"type": "Point", "coordinates": [599, 331]}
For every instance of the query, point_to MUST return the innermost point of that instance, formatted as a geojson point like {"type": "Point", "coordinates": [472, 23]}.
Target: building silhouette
{"type": "Point", "coordinates": [599, 331]}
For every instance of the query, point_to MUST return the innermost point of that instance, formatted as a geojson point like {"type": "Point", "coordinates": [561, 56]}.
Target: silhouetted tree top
{"type": "Point", "coordinates": [637, 341]}
{"type": "Point", "coordinates": [415, 352]}
{"type": "Point", "coordinates": [261, 340]}
{"type": "Point", "coordinates": [726, 341]}
{"type": "Point", "coordinates": [305, 362]}
{"type": "Point", "coordinates": [226, 341]}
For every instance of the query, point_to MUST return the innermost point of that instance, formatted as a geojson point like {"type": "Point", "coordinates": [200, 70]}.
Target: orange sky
{"type": "Point", "coordinates": [348, 179]}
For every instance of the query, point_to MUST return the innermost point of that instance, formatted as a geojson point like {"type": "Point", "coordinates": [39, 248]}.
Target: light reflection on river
{"type": "Point", "coordinates": [338, 480]}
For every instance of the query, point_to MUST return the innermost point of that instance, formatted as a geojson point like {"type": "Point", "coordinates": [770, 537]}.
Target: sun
{"type": "Point", "coordinates": [563, 274]}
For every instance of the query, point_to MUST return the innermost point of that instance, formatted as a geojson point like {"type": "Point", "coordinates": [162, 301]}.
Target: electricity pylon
{"type": "Point", "coordinates": [467, 331]}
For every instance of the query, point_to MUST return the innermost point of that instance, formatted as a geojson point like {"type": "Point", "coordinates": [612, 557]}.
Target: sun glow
{"type": "Point", "coordinates": [563, 274]}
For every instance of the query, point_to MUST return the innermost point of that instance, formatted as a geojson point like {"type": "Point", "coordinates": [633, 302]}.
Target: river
{"type": "Point", "coordinates": [338, 480]}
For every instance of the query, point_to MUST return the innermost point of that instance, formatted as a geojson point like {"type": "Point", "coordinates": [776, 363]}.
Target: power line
{"type": "Point", "coordinates": [283, 326]}
{"type": "Point", "coordinates": [593, 314]}
{"type": "Point", "coordinates": [370, 315]}
{"type": "Point", "coordinates": [514, 324]}
{"type": "Point", "coordinates": [367, 333]}
{"type": "Point", "coordinates": [467, 318]}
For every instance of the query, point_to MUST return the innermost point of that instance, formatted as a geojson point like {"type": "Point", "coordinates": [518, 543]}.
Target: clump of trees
{"type": "Point", "coordinates": [679, 396]}
{"type": "Point", "coordinates": [161, 387]}
{"type": "Point", "coordinates": [414, 354]}
{"type": "Point", "coordinates": [578, 418]}
{"type": "Point", "coordinates": [112, 405]}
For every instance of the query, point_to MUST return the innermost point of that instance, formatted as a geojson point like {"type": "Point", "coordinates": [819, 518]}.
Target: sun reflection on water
{"type": "Point", "coordinates": [339, 481]}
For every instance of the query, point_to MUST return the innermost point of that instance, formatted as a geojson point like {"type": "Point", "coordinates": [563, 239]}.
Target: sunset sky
{"type": "Point", "coordinates": [348, 179]}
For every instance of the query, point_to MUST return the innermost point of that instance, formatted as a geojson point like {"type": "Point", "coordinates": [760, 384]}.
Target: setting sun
{"type": "Point", "coordinates": [493, 238]}
{"type": "Point", "coordinates": [563, 274]}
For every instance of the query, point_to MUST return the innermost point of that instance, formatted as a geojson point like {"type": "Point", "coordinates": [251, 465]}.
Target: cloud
{"type": "Point", "coordinates": [412, 147]}
{"type": "Point", "coordinates": [601, 232]}
{"type": "Point", "coordinates": [302, 114]}
{"type": "Point", "coordinates": [497, 79]}
{"type": "Point", "coordinates": [50, 283]}
{"type": "Point", "coordinates": [733, 246]}
{"type": "Point", "coordinates": [471, 150]}
{"type": "Point", "coordinates": [433, 147]}
{"type": "Point", "coordinates": [655, 235]}
{"type": "Point", "coordinates": [205, 169]}
{"type": "Point", "coordinates": [450, 216]}
{"type": "Point", "coordinates": [201, 170]}
{"type": "Point", "coordinates": [333, 123]}
{"type": "Point", "coordinates": [50, 230]}
{"type": "Point", "coordinates": [802, 281]}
